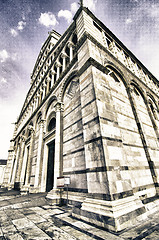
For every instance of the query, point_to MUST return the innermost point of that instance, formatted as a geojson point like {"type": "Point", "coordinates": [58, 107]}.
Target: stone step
{"type": "Point", "coordinates": [23, 201]}
{"type": "Point", "coordinates": [66, 222]}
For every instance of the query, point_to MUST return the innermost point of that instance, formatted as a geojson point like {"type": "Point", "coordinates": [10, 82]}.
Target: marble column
{"type": "Point", "coordinates": [28, 164]}
{"type": "Point", "coordinates": [39, 153]}
{"type": "Point", "coordinates": [58, 65]}
{"type": "Point", "coordinates": [47, 85]}
{"type": "Point", "coordinates": [45, 89]}
{"type": "Point", "coordinates": [20, 162]}
{"type": "Point", "coordinates": [12, 166]}
{"type": "Point", "coordinates": [58, 139]}
{"type": "Point", "coordinates": [15, 164]}
{"type": "Point", "coordinates": [53, 78]}
{"type": "Point", "coordinates": [63, 55]}
{"type": "Point", "coordinates": [23, 167]}
{"type": "Point", "coordinates": [70, 45]}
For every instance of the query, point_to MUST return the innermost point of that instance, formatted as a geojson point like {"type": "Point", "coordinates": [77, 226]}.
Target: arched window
{"type": "Point", "coordinates": [29, 133]}
{"type": "Point", "coordinates": [153, 111]}
{"type": "Point", "coordinates": [74, 39]}
{"type": "Point", "coordinates": [52, 124]}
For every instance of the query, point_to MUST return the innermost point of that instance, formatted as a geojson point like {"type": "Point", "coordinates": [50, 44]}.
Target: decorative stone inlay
{"type": "Point", "coordinates": [127, 61]}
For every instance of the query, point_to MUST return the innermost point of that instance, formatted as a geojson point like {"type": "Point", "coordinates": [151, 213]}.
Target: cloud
{"type": "Point", "coordinates": [3, 80]}
{"type": "Point", "coordinates": [91, 4]}
{"type": "Point", "coordinates": [3, 56]}
{"type": "Point", "coordinates": [153, 11]}
{"type": "Point", "coordinates": [15, 56]}
{"type": "Point", "coordinates": [48, 19]}
{"type": "Point", "coordinates": [66, 14]}
{"type": "Point", "coordinates": [128, 20]}
{"type": "Point", "coordinates": [21, 25]}
{"type": "Point", "coordinates": [74, 7]}
{"type": "Point", "coordinates": [13, 32]}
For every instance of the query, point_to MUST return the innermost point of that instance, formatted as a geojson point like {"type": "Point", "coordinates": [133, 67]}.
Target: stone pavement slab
{"type": "Point", "coordinates": [33, 217]}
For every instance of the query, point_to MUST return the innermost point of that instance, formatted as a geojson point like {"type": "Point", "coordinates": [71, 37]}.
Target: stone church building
{"type": "Point", "coordinates": [91, 114]}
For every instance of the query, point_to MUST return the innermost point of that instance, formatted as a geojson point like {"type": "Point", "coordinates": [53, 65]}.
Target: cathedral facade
{"type": "Point", "coordinates": [91, 114]}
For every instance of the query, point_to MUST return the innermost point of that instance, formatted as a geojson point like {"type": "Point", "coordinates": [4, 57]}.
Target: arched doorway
{"type": "Point", "coordinates": [50, 166]}
{"type": "Point", "coordinates": [51, 156]}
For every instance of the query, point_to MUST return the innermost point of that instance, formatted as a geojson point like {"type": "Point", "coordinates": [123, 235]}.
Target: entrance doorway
{"type": "Point", "coordinates": [50, 166]}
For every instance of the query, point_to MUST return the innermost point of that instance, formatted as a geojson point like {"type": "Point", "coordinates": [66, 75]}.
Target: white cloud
{"type": "Point", "coordinates": [15, 56]}
{"type": "Point", "coordinates": [91, 4]}
{"type": "Point", "coordinates": [3, 55]}
{"type": "Point", "coordinates": [3, 80]}
{"type": "Point", "coordinates": [74, 7]}
{"type": "Point", "coordinates": [152, 10]}
{"type": "Point", "coordinates": [66, 14]}
{"type": "Point", "coordinates": [21, 25]}
{"type": "Point", "coordinates": [48, 19]}
{"type": "Point", "coordinates": [13, 32]}
{"type": "Point", "coordinates": [128, 21]}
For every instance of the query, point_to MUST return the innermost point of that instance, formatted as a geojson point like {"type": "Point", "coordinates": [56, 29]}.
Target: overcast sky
{"type": "Point", "coordinates": [24, 26]}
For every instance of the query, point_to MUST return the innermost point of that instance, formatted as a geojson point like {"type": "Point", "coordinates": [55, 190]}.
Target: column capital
{"type": "Point", "coordinates": [47, 78]}
{"type": "Point", "coordinates": [30, 128]}
{"type": "Point", "coordinates": [70, 44]}
{"type": "Point", "coordinates": [57, 64]}
{"type": "Point", "coordinates": [64, 55]}
{"type": "Point", "coordinates": [59, 106]}
{"type": "Point", "coordinates": [41, 122]}
{"type": "Point", "coordinates": [44, 84]}
{"type": "Point", "coordinates": [23, 138]}
{"type": "Point", "coordinates": [52, 72]}
{"type": "Point", "coordinates": [131, 88]}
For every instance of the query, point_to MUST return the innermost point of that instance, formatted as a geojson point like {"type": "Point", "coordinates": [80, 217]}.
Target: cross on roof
{"type": "Point", "coordinates": [81, 3]}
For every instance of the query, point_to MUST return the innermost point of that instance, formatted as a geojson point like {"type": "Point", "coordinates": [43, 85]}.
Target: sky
{"type": "Point", "coordinates": [24, 27]}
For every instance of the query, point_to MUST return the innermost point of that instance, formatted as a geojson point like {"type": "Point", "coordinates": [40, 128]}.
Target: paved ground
{"type": "Point", "coordinates": [32, 217]}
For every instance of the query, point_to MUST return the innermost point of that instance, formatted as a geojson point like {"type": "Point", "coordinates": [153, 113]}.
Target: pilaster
{"type": "Point", "coordinates": [55, 194]}
{"type": "Point", "coordinates": [39, 154]}
{"type": "Point", "coordinates": [20, 163]}
{"type": "Point", "coordinates": [25, 174]}
{"type": "Point", "coordinates": [15, 164]}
